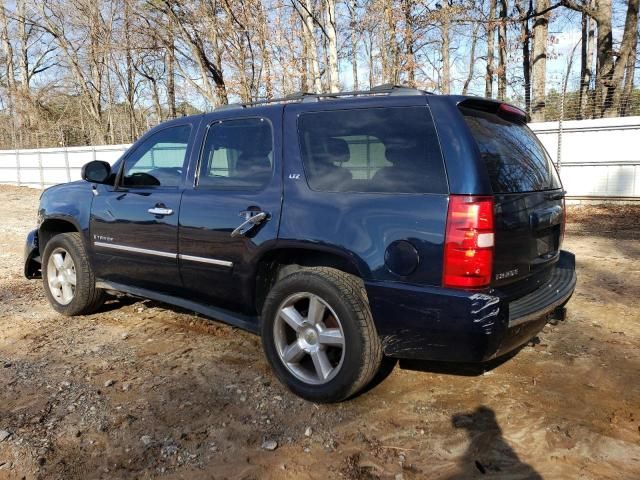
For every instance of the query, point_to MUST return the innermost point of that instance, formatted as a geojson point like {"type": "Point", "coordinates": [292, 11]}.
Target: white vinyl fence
{"type": "Point", "coordinates": [49, 166]}
{"type": "Point", "coordinates": [598, 158]}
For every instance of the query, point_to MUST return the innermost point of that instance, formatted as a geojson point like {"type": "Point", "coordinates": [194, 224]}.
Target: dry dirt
{"type": "Point", "coordinates": [141, 390]}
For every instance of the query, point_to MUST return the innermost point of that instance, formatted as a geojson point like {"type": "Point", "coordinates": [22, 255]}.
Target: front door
{"type": "Point", "coordinates": [238, 182]}
{"type": "Point", "coordinates": [134, 225]}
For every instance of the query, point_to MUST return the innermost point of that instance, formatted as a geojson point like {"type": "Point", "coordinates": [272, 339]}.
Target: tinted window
{"type": "Point", "coordinates": [238, 154]}
{"type": "Point", "coordinates": [159, 160]}
{"type": "Point", "coordinates": [515, 159]}
{"type": "Point", "coordinates": [391, 150]}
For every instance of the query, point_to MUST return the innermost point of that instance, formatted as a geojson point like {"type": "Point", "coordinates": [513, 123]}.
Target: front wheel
{"type": "Point", "coordinates": [69, 282]}
{"type": "Point", "coordinates": [318, 334]}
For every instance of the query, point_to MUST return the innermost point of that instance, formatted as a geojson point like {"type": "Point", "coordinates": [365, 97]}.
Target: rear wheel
{"type": "Point", "coordinates": [318, 334]}
{"type": "Point", "coordinates": [68, 278]}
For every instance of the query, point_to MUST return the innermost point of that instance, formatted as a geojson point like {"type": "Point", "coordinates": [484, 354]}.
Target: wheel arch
{"type": "Point", "coordinates": [53, 226]}
{"type": "Point", "coordinates": [281, 261]}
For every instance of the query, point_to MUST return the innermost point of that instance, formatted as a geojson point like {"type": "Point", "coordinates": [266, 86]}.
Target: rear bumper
{"type": "Point", "coordinates": [32, 256]}
{"type": "Point", "coordinates": [433, 323]}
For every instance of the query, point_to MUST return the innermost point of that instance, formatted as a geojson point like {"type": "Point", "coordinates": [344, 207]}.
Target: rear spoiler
{"type": "Point", "coordinates": [494, 106]}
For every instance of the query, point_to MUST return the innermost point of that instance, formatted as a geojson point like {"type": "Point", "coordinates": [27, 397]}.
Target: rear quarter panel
{"type": "Point", "coordinates": [357, 225]}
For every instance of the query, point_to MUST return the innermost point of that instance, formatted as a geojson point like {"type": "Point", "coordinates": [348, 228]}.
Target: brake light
{"type": "Point", "coordinates": [511, 110]}
{"type": "Point", "coordinates": [469, 240]}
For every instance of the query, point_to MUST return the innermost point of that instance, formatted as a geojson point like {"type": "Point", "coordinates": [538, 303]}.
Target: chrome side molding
{"type": "Point", "coordinates": [158, 253]}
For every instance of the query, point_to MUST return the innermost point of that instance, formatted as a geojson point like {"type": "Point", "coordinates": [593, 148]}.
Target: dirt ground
{"type": "Point", "coordinates": [140, 390]}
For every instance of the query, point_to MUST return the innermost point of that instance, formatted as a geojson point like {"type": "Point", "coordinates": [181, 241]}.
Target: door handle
{"type": "Point", "coordinates": [246, 226]}
{"type": "Point", "coordinates": [160, 211]}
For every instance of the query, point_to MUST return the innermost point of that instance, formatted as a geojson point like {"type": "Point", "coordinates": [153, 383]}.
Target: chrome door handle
{"type": "Point", "coordinates": [249, 223]}
{"type": "Point", "coordinates": [160, 211]}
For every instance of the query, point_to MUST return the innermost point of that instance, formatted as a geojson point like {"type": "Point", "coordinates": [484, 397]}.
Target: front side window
{"type": "Point", "coordinates": [238, 154]}
{"type": "Point", "coordinates": [159, 161]}
{"type": "Point", "coordinates": [391, 150]}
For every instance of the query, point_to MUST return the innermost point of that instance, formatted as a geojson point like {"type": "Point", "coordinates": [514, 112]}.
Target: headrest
{"type": "Point", "coordinates": [330, 150]}
{"type": "Point", "coordinates": [398, 154]}
{"type": "Point", "coordinates": [338, 149]}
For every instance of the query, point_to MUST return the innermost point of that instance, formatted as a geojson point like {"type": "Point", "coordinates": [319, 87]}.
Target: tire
{"type": "Point", "coordinates": [339, 324]}
{"type": "Point", "coordinates": [63, 262]}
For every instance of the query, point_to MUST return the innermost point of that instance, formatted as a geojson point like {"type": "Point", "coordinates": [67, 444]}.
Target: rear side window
{"type": "Point", "coordinates": [515, 159]}
{"type": "Point", "coordinates": [393, 150]}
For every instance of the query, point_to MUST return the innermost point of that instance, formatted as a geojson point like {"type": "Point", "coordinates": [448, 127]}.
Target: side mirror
{"type": "Point", "coordinates": [96, 171]}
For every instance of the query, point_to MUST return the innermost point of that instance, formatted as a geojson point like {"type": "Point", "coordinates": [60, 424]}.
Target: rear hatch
{"type": "Point", "coordinates": [528, 196]}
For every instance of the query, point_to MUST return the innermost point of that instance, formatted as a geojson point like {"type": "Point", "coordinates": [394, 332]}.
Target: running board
{"type": "Point", "coordinates": [245, 322]}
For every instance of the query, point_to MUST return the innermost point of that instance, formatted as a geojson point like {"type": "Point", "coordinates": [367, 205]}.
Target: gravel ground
{"type": "Point", "coordinates": [142, 390]}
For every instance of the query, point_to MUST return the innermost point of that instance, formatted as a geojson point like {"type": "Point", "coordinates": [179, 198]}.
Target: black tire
{"type": "Point", "coordinates": [86, 297]}
{"type": "Point", "coordinates": [362, 351]}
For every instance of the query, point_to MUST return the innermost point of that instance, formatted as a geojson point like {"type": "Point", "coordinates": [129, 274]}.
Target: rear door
{"type": "Point", "coordinates": [528, 195]}
{"type": "Point", "coordinates": [238, 178]}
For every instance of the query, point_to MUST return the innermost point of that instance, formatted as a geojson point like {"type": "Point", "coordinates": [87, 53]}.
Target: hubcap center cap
{"type": "Point", "coordinates": [310, 336]}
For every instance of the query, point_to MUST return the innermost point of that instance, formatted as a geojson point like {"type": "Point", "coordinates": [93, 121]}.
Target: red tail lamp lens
{"type": "Point", "coordinates": [469, 240]}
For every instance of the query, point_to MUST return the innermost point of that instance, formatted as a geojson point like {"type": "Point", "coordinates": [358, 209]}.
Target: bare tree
{"type": "Point", "coordinates": [610, 67]}
{"type": "Point", "coordinates": [524, 9]}
{"type": "Point", "coordinates": [502, 51]}
{"type": "Point", "coordinates": [539, 63]}
{"type": "Point", "coordinates": [472, 59]}
{"type": "Point", "coordinates": [491, 29]}
{"type": "Point", "coordinates": [90, 71]}
{"type": "Point", "coordinates": [586, 60]}
{"type": "Point", "coordinates": [332, 44]}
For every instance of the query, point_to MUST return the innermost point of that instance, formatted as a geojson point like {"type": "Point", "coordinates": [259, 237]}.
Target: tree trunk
{"type": "Point", "coordinates": [410, 59]}
{"type": "Point", "coordinates": [525, 34]}
{"type": "Point", "coordinates": [586, 59]}
{"type": "Point", "coordinates": [625, 103]}
{"type": "Point", "coordinates": [332, 45]}
{"type": "Point", "coordinates": [7, 51]}
{"type": "Point", "coordinates": [472, 59]}
{"type": "Point", "coordinates": [305, 86]}
{"type": "Point", "coordinates": [502, 49]}
{"type": "Point", "coordinates": [389, 54]}
{"type": "Point", "coordinates": [171, 71]}
{"type": "Point", "coordinates": [446, 63]}
{"type": "Point", "coordinates": [539, 67]}
{"type": "Point", "coordinates": [491, 29]}
{"type": "Point", "coordinates": [353, 24]}
{"type": "Point", "coordinates": [625, 56]}
{"type": "Point", "coordinates": [130, 94]}
{"type": "Point", "coordinates": [605, 65]}
{"type": "Point", "coordinates": [371, 64]}
{"type": "Point", "coordinates": [309, 39]}
{"type": "Point", "coordinates": [265, 52]}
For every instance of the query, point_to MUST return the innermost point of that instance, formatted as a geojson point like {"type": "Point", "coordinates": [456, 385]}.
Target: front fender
{"type": "Point", "coordinates": [69, 202]}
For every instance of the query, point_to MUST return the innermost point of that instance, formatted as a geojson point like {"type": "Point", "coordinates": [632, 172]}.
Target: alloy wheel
{"type": "Point", "coordinates": [309, 338]}
{"type": "Point", "coordinates": [61, 276]}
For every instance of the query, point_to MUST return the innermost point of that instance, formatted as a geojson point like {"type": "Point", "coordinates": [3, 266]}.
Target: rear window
{"type": "Point", "coordinates": [515, 159]}
{"type": "Point", "coordinates": [393, 150]}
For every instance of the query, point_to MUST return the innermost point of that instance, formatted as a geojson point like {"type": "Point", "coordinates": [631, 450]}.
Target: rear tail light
{"type": "Point", "coordinates": [469, 240]}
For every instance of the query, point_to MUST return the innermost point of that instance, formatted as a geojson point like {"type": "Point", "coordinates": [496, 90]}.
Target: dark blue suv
{"type": "Point", "coordinates": [343, 228]}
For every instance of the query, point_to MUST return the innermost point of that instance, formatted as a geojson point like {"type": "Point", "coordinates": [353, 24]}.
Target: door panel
{"type": "Point", "coordinates": [239, 177]}
{"type": "Point", "coordinates": [134, 226]}
{"type": "Point", "coordinates": [133, 246]}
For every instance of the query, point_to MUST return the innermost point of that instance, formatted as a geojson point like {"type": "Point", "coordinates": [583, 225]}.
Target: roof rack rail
{"type": "Point", "coordinates": [229, 106]}
{"type": "Point", "coordinates": [385, 89]}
